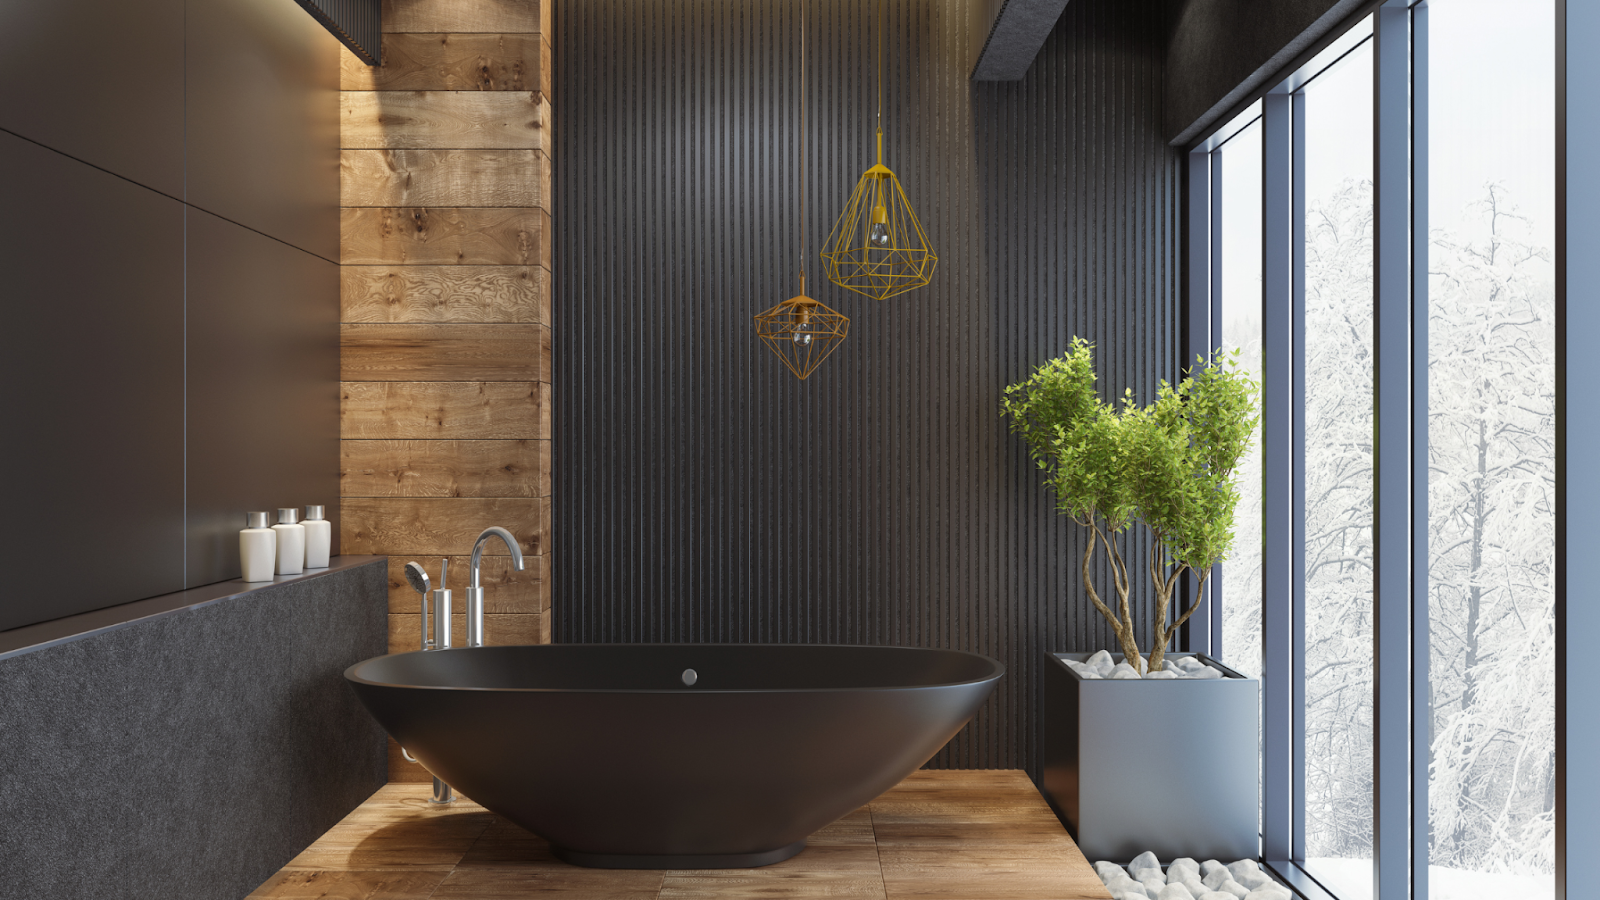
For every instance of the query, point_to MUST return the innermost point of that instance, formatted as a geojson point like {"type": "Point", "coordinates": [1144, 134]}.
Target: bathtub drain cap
{"type": "Point", "coordinates": [690, 676]}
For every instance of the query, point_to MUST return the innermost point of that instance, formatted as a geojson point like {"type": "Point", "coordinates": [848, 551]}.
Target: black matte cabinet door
{"type": "Point", "coordinates": [99, 80]}
{"type": "Point", "coordinates": [263, 120]}
{"type": "Point", "coordinates": [263, 386]}
{"type": "Point", "coordinates": [92, 378]}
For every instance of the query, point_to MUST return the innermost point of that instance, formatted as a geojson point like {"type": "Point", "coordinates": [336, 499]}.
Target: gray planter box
{"type": "Point", "coordinates": [1168, 766]}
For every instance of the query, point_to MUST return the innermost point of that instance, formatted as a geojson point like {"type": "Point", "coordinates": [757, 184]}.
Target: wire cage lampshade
{"type": "Point", "coordinates": [801, 331]}
{"type": "Point", "coordinates": [878, 247]}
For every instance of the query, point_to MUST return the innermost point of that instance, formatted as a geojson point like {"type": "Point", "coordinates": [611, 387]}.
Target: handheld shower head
{"type": "Point", "coordinates": [417, 577]}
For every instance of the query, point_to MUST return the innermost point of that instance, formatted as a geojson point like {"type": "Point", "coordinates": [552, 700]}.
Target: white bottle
{"type": "Point", "coordinates": [258, 546]}
{"type": "Point", "coordinates": [319, 538]}
{"type": "Point", "coordinates": [291, 542]}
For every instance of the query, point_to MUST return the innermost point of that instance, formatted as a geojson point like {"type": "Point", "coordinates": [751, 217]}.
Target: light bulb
{"type": "Point", "coordinates": [801, 333]}
{"type": "Point", "coordinates": [878, 235]}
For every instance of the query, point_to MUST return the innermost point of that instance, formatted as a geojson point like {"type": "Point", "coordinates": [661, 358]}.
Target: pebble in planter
{"type": "Point", "coordinates": [1101, 665]}
{"type": "Point", "coordinates": [1186, 879]}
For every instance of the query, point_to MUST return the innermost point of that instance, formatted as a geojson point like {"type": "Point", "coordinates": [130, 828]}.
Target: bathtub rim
{"type": "Point", "coordinates": [997, 671]}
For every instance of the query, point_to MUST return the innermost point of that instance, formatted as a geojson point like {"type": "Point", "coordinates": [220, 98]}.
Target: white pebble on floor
{"type": "Point", "coordinates": [1185, 879]}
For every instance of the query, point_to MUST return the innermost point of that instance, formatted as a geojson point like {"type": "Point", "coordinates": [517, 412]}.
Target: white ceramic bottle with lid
{"type": "Point", "coordinates": [258, 547]}
{"type": "Point", "coordinates": [319, 537]}
{"type": "Point", "coordinates": [291, 542]}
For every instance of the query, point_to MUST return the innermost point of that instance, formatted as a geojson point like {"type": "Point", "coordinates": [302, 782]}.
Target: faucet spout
{"type": "Point", "coordinates": [475, 582]}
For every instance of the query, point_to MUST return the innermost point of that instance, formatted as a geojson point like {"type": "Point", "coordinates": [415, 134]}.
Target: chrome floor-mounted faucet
{"type": "Point", "coordinates": [475, 584]}
{"type": "Point", "coordinates": [439, 639]}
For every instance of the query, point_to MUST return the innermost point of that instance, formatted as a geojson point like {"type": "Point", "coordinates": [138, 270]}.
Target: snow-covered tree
{"type": "Point", "coordinates": [1491, 497]}
{"type": "Point", "coordinates": [1338, 523]}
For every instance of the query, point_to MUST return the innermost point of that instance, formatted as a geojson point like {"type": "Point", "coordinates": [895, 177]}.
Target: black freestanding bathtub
{"type": "Point", "coordinates": [674, 755]}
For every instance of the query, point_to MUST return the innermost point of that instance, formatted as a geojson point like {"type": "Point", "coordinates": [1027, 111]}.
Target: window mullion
{"type": "Point", "coordinates": [1199, 342]}
{"type": "Point", "coordinates": [1297, 548]}
{"type": "Point", "coordinates": [1279, 389]}
{"type": "Point", "coordinates": [1392, 496]}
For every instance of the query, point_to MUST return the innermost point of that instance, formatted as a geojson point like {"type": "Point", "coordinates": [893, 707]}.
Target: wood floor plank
{"type": "Point", "coordinates": [444, 468]}
{"type": "Point", "coordinates": [448, 120]}
{"type": "Point", "coordinates": [444, 294]}
{"type": "Point", "coordinates": [444, 353]}
{"type": "Point", "coordinates": [452, 62]}
{"type": "Point", "coordinates": [409, 526]}
{"type": "Point", "coordinates": [818, 871]}
{"type": "Point", "coordinates": [444, 178]}
{"type": "Point", "coordinates": [444, 410]}
{"type": "Point", "coordinates": [444, 236]}
{"type": "Point", "coordinates": [351, 884]}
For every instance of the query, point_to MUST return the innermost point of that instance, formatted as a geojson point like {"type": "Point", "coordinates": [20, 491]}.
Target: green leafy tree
{"type": "Point", "coordinates": [1168, 466]}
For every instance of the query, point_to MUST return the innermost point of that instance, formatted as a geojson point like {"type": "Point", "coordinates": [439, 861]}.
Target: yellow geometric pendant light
{"type": "Point", "coordinates": [878, 247]}
{"type": "Point", "coordinates": [801, 331]}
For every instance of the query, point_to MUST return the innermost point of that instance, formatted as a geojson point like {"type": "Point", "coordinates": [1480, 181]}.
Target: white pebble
{"type": "Point", "coordinates": [1194, 884]}
{"type": "Point", "coordinates": [1239, 868]}
{"type": "Point", "coordinates": [1163, 676]}
{"type": "Point", "coordinates": [1108, 870]}
{"type": "Point", "coordinates": [1251, 878]}
{"type": "Point", "coordinates": [1146, 873]}
{"type": "Point", "coordinates": [1209, 866]}
{"type": "Point", "coordinates": [1216, 895]}
{"type": "Point", "coordinates": [1175, 892]}
{"type": "Point", "coordinates": [1275, 892]}
{"type": "Point", "coordinates": [1090, 674]}
{"type": "Point", "coordinates": [1216, 876]}
{"type": "Point", "coordinates": [1100, 660]}
{"type": "Point", "coordinates": [1206, 672]}
{"type": "Point", "coordinates": [1234, 888]}
{"type": "Point", "coordinates": [1124, 883]}
{"type": "Point", "coordinates": [1182, 868]}
{"type": "Point", "coordinates": [1135, 892]}
{"type": "Point", "coordinates": [1145, 860]}
{"type": "Point", "coordinates": [1123, 671]}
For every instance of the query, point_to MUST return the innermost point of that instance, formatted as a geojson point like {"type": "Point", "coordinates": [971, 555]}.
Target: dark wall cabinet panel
{"type": "Point", "coordinates": [101, 80]}
{"type": "Point", "coordinates": [93, 382]}
{"type": "Point", "coordinates": [263, 386]}
{"type": "Point", "coordinates": [263, 120]}
{"type": "Point", "coordinates": [702, 493]}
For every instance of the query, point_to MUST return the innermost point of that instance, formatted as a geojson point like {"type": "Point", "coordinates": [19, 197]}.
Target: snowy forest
{"type": "Point", "coordinates": [1491, 492]}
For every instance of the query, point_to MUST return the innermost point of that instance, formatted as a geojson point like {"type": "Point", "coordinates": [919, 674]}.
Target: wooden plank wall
{"type": "Point", "coordinates": [446, 334]}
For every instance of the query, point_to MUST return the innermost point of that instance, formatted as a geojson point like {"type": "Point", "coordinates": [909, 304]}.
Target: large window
{"type": "Point", "coordinates": [1417, 154]}
{"type": "Point", "coordinates": [1491, 448]}
{"type": "Point", "coordinates": [1335, 156]}
{"type": "Point", "coordinates": [1238, 167]}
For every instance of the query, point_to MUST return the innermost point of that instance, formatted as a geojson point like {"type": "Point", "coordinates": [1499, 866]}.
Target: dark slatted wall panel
{"type": "Point", "coordinates": [702, 493]}
{"type": "Point", "coordinates": [358, 24]}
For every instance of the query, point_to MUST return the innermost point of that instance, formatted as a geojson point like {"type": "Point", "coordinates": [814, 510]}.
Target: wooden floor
{"type": "Point", "coordinates": [950, 835]}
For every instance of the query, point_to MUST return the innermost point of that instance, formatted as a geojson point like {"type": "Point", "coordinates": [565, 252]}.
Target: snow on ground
{"type": "Point", "coordinates": [1351, 879]}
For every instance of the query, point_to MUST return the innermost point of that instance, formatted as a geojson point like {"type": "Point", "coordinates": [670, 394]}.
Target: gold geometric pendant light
{"type": "Point", "coordinates": [878, 247]}
{"type": "Point", "coordinates": [801, 331]}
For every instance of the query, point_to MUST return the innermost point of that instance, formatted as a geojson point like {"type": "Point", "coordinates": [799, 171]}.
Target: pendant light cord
{"type": "Point", "coordinates": [802, 146]}
{"type": "Point", "coordinates": [879, 55]}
